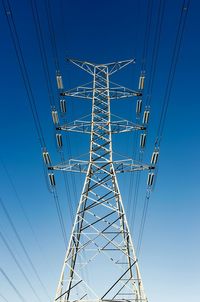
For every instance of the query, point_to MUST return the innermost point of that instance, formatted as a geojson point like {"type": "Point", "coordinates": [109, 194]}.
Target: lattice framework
{"type": "Point", "coordinates": [100, 262]}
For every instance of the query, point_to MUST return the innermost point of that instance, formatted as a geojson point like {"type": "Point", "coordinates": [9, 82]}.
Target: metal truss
{"type": "Point", "coordinates": [110, 67]}
{"type": "Point", "coordinates": [121, 166]}
{"type": "Point", "coordinates": [86, 126]}
{"type": "Point", "coordinates": [100, 262]}
{"type": "Point", "coordinates": [115, 92]}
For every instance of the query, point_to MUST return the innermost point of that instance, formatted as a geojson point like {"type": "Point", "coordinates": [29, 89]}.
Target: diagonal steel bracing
{"type": "Point", "coordinates": [100, 239]}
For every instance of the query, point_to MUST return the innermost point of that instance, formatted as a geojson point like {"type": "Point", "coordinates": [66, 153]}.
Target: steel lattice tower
{"type": "Point", "coordinates": [100, 263]}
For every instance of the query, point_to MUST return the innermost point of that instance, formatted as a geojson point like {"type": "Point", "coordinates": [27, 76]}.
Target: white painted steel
{"type": "Point", "coordinates": [100, 241]}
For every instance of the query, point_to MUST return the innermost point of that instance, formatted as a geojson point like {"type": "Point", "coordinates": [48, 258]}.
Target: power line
{"type": "Point", "coordinates": [51, 99]}
{"type": "Point", "coordinates": [143, 67]}
{"type": "Point", "coordinates": [27, 84]}
{"type": "Point", "coordinates": [173, 65]}
{"type": "Point", "coordinates": [43, 54]}
{"type": "Point", "coordinates": [147, 34]}
{"type": "Point", "coordinates": [58, 208]}
{"type": "Point", "coordinates": [168, 89]}
{"type": "Point", "coordinates": [156, 44]}
{"type": "Point", "coordinates": [23, 247]}
{"type": "Point", "coordinates": [135, 200]}
{"type": "Point", "coordinates": [143, 221]}
{"type": "Point", "coordinates": [50, 92]}
{"type": "Point", "coordinates": [12, 285]}
{"type": "Point", "coordinates": [24, 73]}
{"type": "Point", "coordinates": [4, 298]}
{"type": "Point", "coordinates": [52, 35]}
{"type": "Point", "coordinates": [12, 185]}
{"type": "Point", "coordinates": [159, 24]}
{"type": "Point", "coordinates": [19, 266]}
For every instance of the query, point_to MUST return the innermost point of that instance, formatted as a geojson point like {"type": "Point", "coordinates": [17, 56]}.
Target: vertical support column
{"type": "Point", "coordinates": [100, 135]}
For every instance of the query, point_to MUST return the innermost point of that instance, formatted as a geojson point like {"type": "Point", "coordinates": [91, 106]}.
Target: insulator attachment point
{"type": "Point", "coordinates": [50, 168]}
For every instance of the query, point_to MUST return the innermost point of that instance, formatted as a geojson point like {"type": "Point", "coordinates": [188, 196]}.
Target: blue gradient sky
{"type": "Point", "coordinates": [103, 31]}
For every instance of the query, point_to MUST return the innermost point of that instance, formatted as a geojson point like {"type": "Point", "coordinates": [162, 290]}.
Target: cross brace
{"type": "Point", "coordinates": [120, 166]}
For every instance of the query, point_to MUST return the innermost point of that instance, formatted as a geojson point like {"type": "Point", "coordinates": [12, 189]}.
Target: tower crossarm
{"type": "Point", "coordinates": [120, 166]}
{"type": "Point", "coordinates": [120, 126]}
{"type": "Point", "coordinates": [116, 66]}
{"type": "Point", "coordinates": [85, 92]}
{"type": "Point", "coordinates": [86, 66]}
{"type": "Point", "coordinates": [109, 67]}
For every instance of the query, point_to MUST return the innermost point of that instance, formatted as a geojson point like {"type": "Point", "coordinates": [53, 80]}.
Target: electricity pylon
{"type": "Point", "coordinates": [100, 262]}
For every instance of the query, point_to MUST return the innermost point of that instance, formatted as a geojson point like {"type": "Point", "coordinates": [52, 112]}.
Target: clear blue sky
{"type": "Point", "coordinates": [102, 31]}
